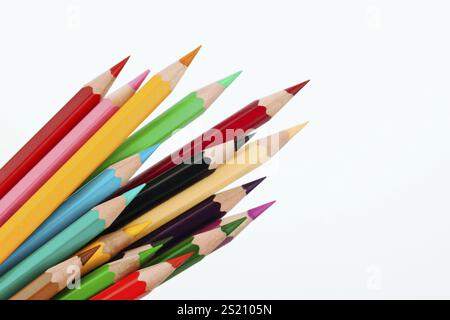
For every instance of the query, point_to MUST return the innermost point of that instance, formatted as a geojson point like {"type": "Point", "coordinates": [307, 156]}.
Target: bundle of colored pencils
{"type": "Point", "coordinates": [76, 224]}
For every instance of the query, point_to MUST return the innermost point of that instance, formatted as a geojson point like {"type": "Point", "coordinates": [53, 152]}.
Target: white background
{"type": "Point", "coordinates": [363, 192]}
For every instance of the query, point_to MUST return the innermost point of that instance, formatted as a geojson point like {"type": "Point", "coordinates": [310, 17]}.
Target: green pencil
{"type": "Point", "coordinates": [234, 225]}
{"type": "Point", "coordinates": [209, 239]}
{"type": "Point", "coordinates": [179, 115]}
{"type": "Point", "coordinates": [108, 274]}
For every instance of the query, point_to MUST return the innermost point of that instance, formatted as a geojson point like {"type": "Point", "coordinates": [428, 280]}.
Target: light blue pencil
{"type": "Point", "coordinates": [88, 196]}
{"type": "Point", "coordinates": [65, 243]}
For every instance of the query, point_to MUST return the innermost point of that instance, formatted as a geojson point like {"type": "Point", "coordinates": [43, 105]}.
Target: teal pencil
{"type": "Point", "coordinates": [65, 243]}
{"type": "Point", "coordinates": [88, 196]}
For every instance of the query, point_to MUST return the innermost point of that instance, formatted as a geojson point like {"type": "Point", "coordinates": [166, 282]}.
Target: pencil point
{"type": "Point", "coordinates": [134, 230]}
{"type": "Point", "coordinates": [256, 212]}
{"type": "Point", "coordinates": [118, 67]}
{"type": "Point", "coordinates": [252, 185]}
{"type": "Point", "coordinates": [178, 261]}
{"type": "Point", "coordinates": [145, 154]}
{"type": "Point", "coordinates": [249, 136]}
{"type": "Point", "coordinates": [131, 194]}
{"type": "Point", "coordinates": [294, 89]}
{"type": "Point", "coordinates": [161, 242]}
{"type": "Point", "coordinates": [85, 256]}
{"type": "Point", "coordinates": [229, 80]}
{"type": "Point", "coordinates": [295, 129]}
{"type": "Point", "coordinates": [187, 59]}
{"type": "Point", "coordinates": [136, 82]}
{"type": "Point", "coordinates": [231, 226]}
{"type": "Point", "coordinates": [148, 253]}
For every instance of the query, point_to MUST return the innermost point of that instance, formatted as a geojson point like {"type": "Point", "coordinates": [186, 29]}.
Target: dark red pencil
{"type": "Point", "coordinates": [56, 128]}
{"type": "Point", "coordinates": [242, 122]}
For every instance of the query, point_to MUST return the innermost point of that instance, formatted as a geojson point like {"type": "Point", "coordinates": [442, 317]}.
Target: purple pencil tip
{"type": "Point", "coordinates": [252, 185]}
{"type": "Point", "coordinates": [256, 212]}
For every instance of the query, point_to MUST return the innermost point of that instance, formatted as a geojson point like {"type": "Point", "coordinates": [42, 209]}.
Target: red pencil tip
{"type": "Point", "coordinates": [178, 261]}
{"type": "Point", "coordinates": [187, 59]}
{"type": "Point", "coordinates": [118, 67]}
{"type": "Point", "coordinates": [294, 89]}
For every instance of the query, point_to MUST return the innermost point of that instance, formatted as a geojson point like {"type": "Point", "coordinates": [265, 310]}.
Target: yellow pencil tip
{"type": "Point", "coordinates": [295, 129]}
{"type": "Point", "coordinates": [187, 59]}
{"type": "Point", "coordinates": [136, 229]}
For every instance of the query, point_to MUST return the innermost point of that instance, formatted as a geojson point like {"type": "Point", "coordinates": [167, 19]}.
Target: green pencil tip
{"type": "Point", "coordinates": [146, 255]}
{"type": "Point", "coordinates": [161, 242]}
{"type": "Point", "coordinates": [229, 80]}
{"type": "Point", "coordinates": [231, 226]}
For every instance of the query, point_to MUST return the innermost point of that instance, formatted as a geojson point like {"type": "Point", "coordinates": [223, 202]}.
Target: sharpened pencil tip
{"type": "Point", "coordinates": [229, 80]}
{"type": "Point", "coordinates": [131, 194]}
{"type": "Point", "coordinates": [256, 212]}
{"type": "Point", "coordinates": [187, 59]}
{"type": "Point", "coordinates": [294, 89]}
{"type": "Point", "coordinates": [252, 185]}
{"type": "Point", "coordinates": [161, 242]}
{"type": "Point", "coordinates": [178, 261]}
{"type": "Point", "coordinates": [295, 129]}
{"type": "Point", "coordinates": [136, 82]}
{"type": "Point", "coordinates": [145, 154]}
{"type": "Point", "coordinates": [249, 136]}
{"type": "Point", "coordinates": [118, 67]}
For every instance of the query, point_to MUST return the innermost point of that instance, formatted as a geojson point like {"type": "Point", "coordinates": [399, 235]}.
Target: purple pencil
{"type": "Point", "coordinates": [199, 216]}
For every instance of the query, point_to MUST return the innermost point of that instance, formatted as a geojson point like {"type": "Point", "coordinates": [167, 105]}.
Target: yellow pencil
{"type": "Point", "coordinates": [245, 160]}
{"type": "Point", "coordinates": [90, 156]}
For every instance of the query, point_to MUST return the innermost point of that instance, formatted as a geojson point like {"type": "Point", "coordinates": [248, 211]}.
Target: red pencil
{"type": "Point", "coordinates": [141, 282]}
{"type": "Point", "coordinates": [55, 129]}
{"type": "Point", "coordinates": [245, 120]}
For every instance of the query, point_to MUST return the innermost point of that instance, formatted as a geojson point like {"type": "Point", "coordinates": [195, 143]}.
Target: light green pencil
{"type": "Point", "coordinates": [179, 115]}
{"type": "Point", "coordinates": [65, 243]}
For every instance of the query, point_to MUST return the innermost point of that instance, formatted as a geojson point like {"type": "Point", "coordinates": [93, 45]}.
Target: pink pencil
{"type": "Point", "coordinates": [48, 165]}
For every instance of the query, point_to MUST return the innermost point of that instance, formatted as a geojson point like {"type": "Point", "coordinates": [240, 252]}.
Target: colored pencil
{"type": "Point", "coordinates": [64, 244]}
{"type": "Point", "coordinates": [206, 212]}
{"type": "Point", "coordinates": [141, 282]}
{"type": "Point", "coordinates": [210, 239]}
{"type": "Point", "coordinates": [90, 155]}
{"type": "Point", "coordinates": [246, 159]}
{"type": "Point", "coordinates": [108, 274]}
{"type": "Point", "coordinates": [62, 276]}
{"type": "Point", "coordinates": [65, 148]}
{"type": "Point", "coordinates": [250, 216]}
{"type": "Point", "coordinates": [243, 121]}
{"type": "Point", "coordinates": [88, 196]}
{"type": "Point", "coordinates": [177, 179]}
{"type": "Point", "coordinates": [57, 127]}
{"type": "Point", "coordinates": [195, 248]}
{"type": "Point", "coordinates": [178, 116]}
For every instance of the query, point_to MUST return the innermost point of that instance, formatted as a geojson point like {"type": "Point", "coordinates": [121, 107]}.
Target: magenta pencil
{"type": "Point", "coordinates": [53, 160]}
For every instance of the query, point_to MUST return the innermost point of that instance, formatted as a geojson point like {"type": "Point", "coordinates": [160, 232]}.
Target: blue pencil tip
{"type": "Point", "coordinates": [145, 154]}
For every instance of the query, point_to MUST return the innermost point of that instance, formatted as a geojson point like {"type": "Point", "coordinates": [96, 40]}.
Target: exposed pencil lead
{"type": "Point", "coordinates": [294, 89]}
{"type": "Point", "coordinates": [252, 185]}
{"type": "Point", "coordinates": [118, 67]}
{"type": "Point", "coordinates": [187, 59]}
{"type": "Point", "coordinates": [295, 129]}
{"type": "Point", "coordinates": [178, 261]}
{"type": "Point", "coordinates": [146, 153]}
{"type": "Point", "coordinates": [136, 82]}
{"type": "Point", "coordinates": [229, 80]}
{"type": "Point", "coordinates": [257, 211]}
